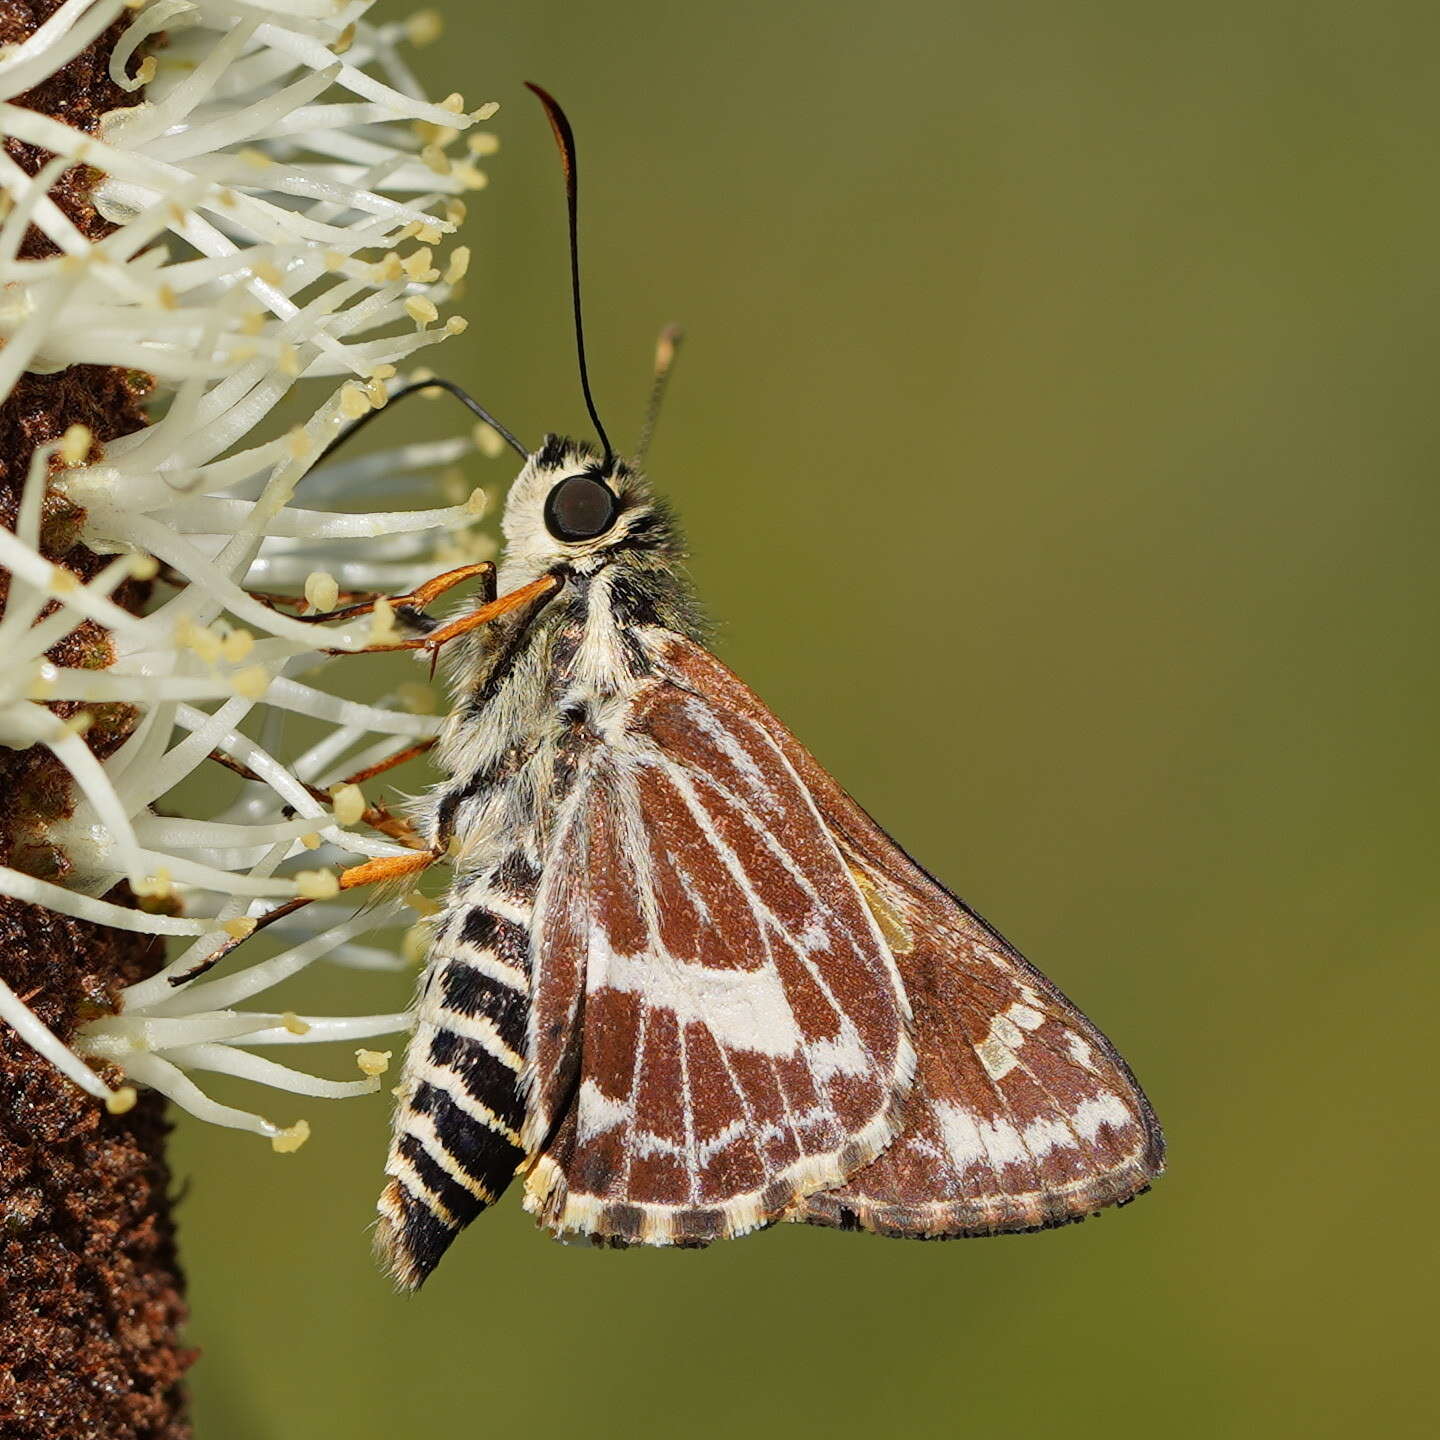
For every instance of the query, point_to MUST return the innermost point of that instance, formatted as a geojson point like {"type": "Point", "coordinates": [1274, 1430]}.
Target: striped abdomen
{"type": "Point", "coordinates": [456, 1142]}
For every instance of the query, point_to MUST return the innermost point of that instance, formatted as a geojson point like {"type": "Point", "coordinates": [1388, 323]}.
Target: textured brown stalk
{"type": "Point", "coordinates": [90, 1292]}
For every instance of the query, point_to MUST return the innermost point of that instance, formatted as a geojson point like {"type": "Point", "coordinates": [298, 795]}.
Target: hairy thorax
{"type": "Point", "coordinates": [535, 698]}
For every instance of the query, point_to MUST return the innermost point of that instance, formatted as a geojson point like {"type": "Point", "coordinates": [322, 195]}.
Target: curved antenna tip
{"type": "Point", "coordinates": [565, 139]}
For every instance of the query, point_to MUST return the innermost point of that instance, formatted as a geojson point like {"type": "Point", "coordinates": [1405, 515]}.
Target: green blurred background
{"type": "Point", "coordinates": [1056, 438]}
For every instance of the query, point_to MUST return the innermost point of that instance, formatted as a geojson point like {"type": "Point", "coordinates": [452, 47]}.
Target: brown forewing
{"type": "Point", "coordinates": [743, 1038]}
{"type": "Point", "coordinates": [1022, 1114]}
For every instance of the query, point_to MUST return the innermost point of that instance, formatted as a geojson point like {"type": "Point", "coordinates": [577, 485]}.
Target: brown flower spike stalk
{"type": "Point", "coordinates": [85, 1229]}
{"type": "Point", "coordinates": [198, 214]}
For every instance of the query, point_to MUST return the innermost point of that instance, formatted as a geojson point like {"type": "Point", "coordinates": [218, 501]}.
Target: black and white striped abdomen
{"type": "Point", "coordinates": [460, 1111]}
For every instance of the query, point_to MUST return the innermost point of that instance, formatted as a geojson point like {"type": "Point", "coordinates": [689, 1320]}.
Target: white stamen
{"type": "Point", "coordinates": [267, 159]}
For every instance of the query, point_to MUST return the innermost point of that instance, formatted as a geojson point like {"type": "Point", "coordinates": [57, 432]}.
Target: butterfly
{"type": "Point", "coordinates": [682, 986]}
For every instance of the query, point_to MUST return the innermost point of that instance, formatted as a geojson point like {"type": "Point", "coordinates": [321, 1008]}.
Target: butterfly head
{"type": "Point", "coordinates": [572, 510]}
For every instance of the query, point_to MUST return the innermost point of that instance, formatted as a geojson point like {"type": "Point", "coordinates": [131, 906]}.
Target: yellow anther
{"type": "Point", "coordinates": [316, 884]}
{"type": "Point", "coordinates": [389, 269]}
{"type": "Point", "coordinates": [382, 623]}
{"type": "Point", "coordinates": [251, 683]}
{"type": "Point", "coordinates": [348, 802]}
{"type": "Point", "coordinates": [156, 886]}
{"type": "Point", "coordinates": [75, 444]}
{"type": "Point", "coordinates": [294, 1024]}
{"type": "Point", "coordinates": [416, 264]}
{"type": "Point", "coordinates": [199, 638]}
{"type": "Point", "coordinates": [421, 311]}
{"type": "Point", "coordinates": [487, 441]}
{"type": "Point", "coordinates": [354, 402]}
{"type": "Point", "coordinates": [240, 928]}
{"type": "Point", "coordinates": [322, 591]}
{"type": "Point", "coordinates": [121, 1101]}
{"type": "Point", "coordinates": [459, 264]}
{"type": "Point", "coordinates": [237, 645]}
{"type": "Point", "coordinates": [290, 1140]}
{"type": "Point", "coordinates": [424, 27]}
{"type": "Point", "coordinates": [373, 1063]}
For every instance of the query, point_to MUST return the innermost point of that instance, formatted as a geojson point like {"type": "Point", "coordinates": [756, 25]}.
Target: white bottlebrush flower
{"type": "Point", "coordinates": [281, 199]}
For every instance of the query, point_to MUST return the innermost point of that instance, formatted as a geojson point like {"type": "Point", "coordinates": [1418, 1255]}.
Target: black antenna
{"type": "Point", "coordinates": [665, 350]}
{"type": "Point", "coordinates": [565, 139]}
{"type": "Point", "coordinates": [415, 387]}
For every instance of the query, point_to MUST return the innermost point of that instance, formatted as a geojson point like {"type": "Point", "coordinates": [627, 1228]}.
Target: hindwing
{"type": "Point", "coordinates": [1022, 1115]}
{"type": "Point", "coordinates": [718, 1027]}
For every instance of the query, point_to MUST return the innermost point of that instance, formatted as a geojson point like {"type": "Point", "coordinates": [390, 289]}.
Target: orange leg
{"type": "Point", "coordinates": [357, 602]}
{"type": "Point", "coordinates": [390, 762]}
{"type": "Point", "coordinates": [388, 867]}
{"type": "Point", "coordinates": [369, 872]}
{"type": "Point", "coordinates": [418, 598]}
{"type": "Point", "coordinates": [415, 599]}
{"type": "Point", "coordinates": [377, 815]}
{"type": "Point", "coordinates": [545, 585]}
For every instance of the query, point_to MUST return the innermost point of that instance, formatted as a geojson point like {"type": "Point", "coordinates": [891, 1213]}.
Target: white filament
{"type": "Point", "coordinates": [265, 190]}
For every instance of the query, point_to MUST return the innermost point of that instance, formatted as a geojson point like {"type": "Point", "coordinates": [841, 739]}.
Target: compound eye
{"type": "Point", "coordinates": [580, 507]}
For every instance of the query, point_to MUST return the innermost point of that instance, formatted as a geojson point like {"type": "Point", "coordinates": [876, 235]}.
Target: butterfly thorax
{"type": "Point", "coordinates": [538, 688]}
